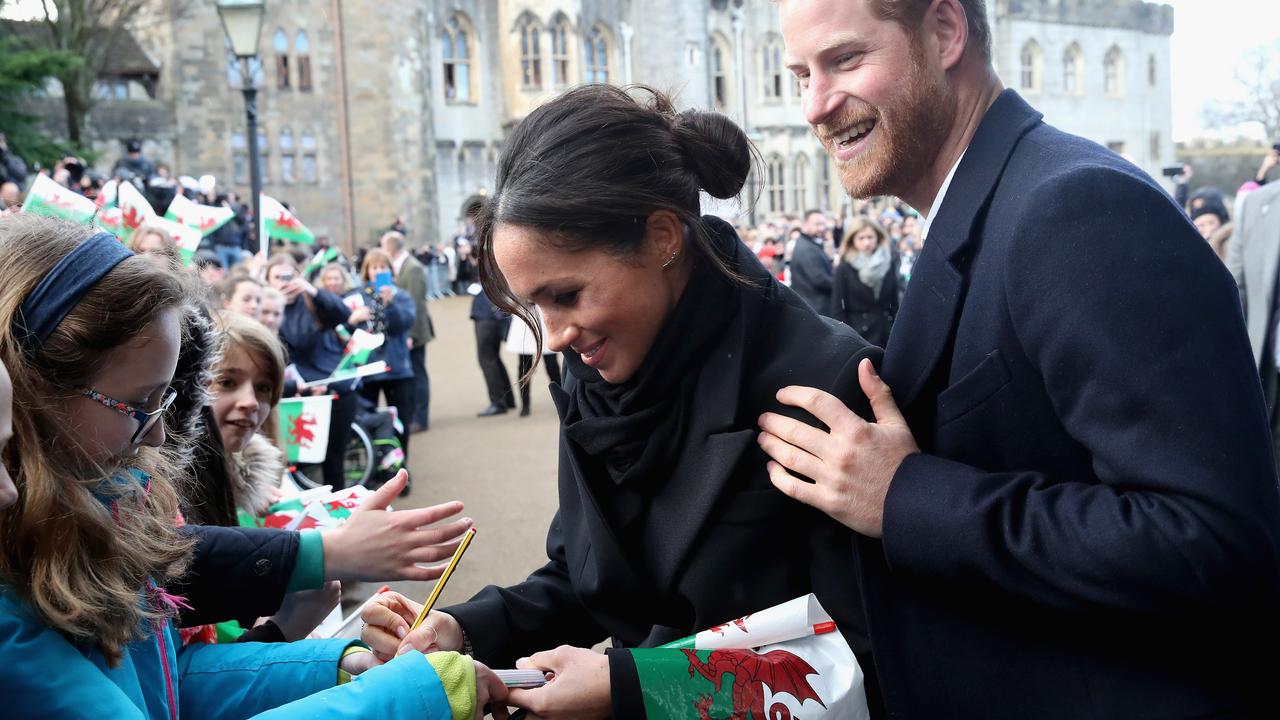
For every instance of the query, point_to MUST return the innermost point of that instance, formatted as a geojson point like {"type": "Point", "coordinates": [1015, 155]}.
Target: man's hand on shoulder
{"type": "Point", "coordinates": [852, 464]}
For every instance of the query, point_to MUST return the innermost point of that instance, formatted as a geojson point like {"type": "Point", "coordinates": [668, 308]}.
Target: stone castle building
{"type": "Point", "coordinates": [369, 110]}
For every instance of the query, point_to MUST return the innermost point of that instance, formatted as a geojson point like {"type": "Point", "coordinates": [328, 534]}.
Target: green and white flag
{"type": "Point", "coordinates": [136, 209]}
{"type": "Point", "coordinates": [338, 376]}
{"type": "Point", "coordinates": [277, 222]}
{"type": "Point", "coordinates": [304, 428]}
{"type": "Point", "coordinates": [321, 259]}
{"type": "Point", "coordinates": [358, 349]}
{"type": "Point", "coordinates": [786, 661]}
{"type": "Point", "coordinates": [204, 218]}
{"type": "Point", "coordinates": [50, 199]}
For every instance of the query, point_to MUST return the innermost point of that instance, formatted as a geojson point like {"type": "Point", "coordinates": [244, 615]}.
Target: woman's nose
{"type": "Point", "coordinates": [560, 335]}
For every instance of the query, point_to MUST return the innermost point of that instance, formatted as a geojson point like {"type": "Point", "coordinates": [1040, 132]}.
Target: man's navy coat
{"type": "Point", "coordinates": [1091, 529]}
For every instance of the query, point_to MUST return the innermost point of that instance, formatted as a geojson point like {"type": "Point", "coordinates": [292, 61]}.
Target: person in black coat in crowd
{"type": "Point", "coordinates": [491, 327]}
{"type": "Point", "coordinates": [676, 340]}
{"type": "Point", "coordinates": [864, 291]}
{"type": "Point", "coordinates": [811, 270]}
{"type": "Point", "coordinates": [1068, 506]}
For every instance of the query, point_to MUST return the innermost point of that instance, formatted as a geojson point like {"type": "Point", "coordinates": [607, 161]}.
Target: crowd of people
{"type": "Point", "coordinates": [1030, 474]}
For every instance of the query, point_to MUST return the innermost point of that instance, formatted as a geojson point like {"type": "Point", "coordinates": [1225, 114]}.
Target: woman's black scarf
{"type": "Point", "coordinates": [630, 433]}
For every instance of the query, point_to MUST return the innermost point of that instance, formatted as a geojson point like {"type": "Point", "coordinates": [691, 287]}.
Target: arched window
{"type": "Point", "coordinates": [1073, 71]}
{"type": "Point", "coordinates": [776, 184]}
{"type": "Point", "coordinates": [1032, 63]}
{"type": "Point", "coordinates": [1151, 70]}
{"type": "Point", "coordinates": [595, 52]}
{"type": "Point", "coordinates": [280, 43]}
{"type": "Point", "coordinates": [287, 158]}
{"type": "Point", "coordinates": [264, 155]}
{"type": "Point", "coordinates": [1113, 73]}
{"type": "Point", "coordinates": [801, 182]}
{"type": "Point", "coordinates": [721, 84]}
{"type": "Point", "coordinates": [310, 170]}
{"type": "Point", "coordinates": [771, 69]}
{"type": "Point", "coordinates": [530, 31]}
{"type": "Point", "coordinates": [239, 157]}
{"type": "Point", "coordinates": [560, 34]}
{"type": "Point", "coordinates": [455, 39]}
{"type": "Point", "coordinates": [302, 49]}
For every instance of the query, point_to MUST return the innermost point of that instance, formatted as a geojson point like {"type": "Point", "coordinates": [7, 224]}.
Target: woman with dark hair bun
{"type": "Point", "coordinates": [676, 340]}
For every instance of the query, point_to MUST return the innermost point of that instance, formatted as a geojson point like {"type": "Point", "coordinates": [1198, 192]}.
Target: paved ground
{"type": "Point", "coordinates": [502, 468]}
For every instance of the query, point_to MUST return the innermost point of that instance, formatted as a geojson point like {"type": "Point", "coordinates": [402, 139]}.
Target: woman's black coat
{"type": "Point", "coordinates": [857, 305]}
{"type": "Point", "coordinates": [720, 540]}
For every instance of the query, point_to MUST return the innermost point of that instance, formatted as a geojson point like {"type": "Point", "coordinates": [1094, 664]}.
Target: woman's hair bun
{"type": "Point", "coordinates": [717, 150]}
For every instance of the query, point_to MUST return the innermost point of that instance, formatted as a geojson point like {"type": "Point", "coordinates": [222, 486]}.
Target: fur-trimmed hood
{"type": "Point", "coordinates": [255, 472]}
{"type": "Point", "coordinates": [198, 355]}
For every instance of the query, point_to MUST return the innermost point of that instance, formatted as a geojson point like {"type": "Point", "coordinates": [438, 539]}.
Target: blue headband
{"type": "Point", "coordinates": [64, 286]}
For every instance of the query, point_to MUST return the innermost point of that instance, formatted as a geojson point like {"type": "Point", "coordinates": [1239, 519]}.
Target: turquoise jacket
{"type": "Point", "coordinates": [45, 675]}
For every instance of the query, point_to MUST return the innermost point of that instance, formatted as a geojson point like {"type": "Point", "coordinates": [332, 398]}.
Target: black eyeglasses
{"type": "Point", "coordinates": [146, 419]}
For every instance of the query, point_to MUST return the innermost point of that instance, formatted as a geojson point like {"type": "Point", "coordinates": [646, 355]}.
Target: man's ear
{"type": "Point", "coordinates": [947, 22]}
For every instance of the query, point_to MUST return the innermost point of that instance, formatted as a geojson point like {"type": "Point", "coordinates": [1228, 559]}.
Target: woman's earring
{"type": "Point", "coordinates": [670, 260]}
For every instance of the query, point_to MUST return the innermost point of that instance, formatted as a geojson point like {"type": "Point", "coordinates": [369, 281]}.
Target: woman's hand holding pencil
{"type": "Point", "coordinates": [394, 620]}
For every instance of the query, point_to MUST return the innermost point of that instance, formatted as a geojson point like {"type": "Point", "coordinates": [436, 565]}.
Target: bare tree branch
{"type": "Point", "coordinates": [1258, 74]}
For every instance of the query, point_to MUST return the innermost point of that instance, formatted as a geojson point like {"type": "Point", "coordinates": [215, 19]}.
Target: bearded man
{"type": "Point", "coordinates": [1067, 506]}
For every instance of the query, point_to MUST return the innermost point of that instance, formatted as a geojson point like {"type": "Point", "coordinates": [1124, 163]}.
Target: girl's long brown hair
{"type": "Point", "coordinates": [78, 550]}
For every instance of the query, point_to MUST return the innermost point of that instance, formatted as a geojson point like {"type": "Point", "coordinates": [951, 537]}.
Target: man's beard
{"type": "Point", "coordinates": [907, 136]}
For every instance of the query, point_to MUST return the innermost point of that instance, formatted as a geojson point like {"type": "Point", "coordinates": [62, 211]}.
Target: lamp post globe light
{"type": "Point", "coordinates": [242, 22]}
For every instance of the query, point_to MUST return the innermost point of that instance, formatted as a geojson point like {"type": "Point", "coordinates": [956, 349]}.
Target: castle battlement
{"type": "Point", "coordinates": [1147, 17]}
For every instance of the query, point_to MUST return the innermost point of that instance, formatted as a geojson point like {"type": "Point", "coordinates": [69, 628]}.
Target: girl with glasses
{"type": "Point", "coordinates": [90, 334]}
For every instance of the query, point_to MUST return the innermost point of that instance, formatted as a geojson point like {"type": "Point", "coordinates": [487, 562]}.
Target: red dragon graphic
{"type": "Point", "coordinates": [286, 221]}
{"type": "Point", "coordinates": [779, 669]}
{"type": "Point", "coordinates": [300, 432]}
{"type": "Point", "coordinates": [132, 217]}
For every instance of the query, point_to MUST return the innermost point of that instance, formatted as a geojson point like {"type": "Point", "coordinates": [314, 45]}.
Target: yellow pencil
{"type": "Point", "coordinates": [435, 591]}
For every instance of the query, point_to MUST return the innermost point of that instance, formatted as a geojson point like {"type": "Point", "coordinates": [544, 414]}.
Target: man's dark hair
{"type": "Point", "coordinates": [909, 13]}
{"type": "Point", "coordinates": [589, 167]}
{"type": "Point", "coordinates": [811, 212]}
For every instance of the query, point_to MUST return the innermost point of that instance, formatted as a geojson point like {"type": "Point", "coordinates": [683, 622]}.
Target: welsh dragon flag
{"type": "Point", "coordinates": [277, 222]}
{"type": "Point", "coordinates": [358, 349]}
{"type": "Point", "coordinates": [788, 661]}
{"type": "Point", "coordinates": [204, 218]}
{"type": "Point", "coordinates": [321, 259]}
{"type": "Point", "coordinates": [50, 199]}
{"type": "Point", "coordinates": [135, 209]}
{"type": "Point", "coordinates": [304, 428]}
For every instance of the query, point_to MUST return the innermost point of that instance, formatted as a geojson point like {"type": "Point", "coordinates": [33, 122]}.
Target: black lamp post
{"type": "Point", "coordinates": [242, 22]}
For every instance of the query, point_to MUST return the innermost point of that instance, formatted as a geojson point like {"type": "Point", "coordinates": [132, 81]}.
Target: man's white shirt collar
{"type": "Point", "coordinates": [937, 201]}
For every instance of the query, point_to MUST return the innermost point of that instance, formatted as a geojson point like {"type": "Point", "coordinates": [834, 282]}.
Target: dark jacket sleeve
{"type": "Point", "coordinates": [235, 573]}
{"type": "Point", "coordinates": [543, 612]}
{"type": "Point", "coordinates": [1148, 367]}
{"type": "Point", "coordinates": [400, 313]}
{"type": "Point", "coordinates": [329, 309]}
